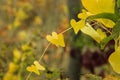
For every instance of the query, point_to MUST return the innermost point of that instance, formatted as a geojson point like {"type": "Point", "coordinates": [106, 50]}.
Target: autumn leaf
{"type": "Point", "coordinates": [97, 35]}
{"type": "Point", "coordinates": [99, 6]}
{"type": "Point", "coordinates": [39, 67]}
{"type": "Point", "coordinates": [56, 39]}
{"type": "Point", "coordinates": [77, 25]}
{"type": "Point", "coordinates": [35, 68]}
{"type": "Point", "coordinates": [114, 60]}
{"type": "Point", "coordinates": [108, 23]}
{"type": "Point", "coordinates": [80, 24]}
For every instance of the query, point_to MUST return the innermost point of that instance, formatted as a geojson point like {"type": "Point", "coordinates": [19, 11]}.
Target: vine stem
{"type": "Point", "coordinates": [65, 30]}
{"type": "Point", "coordinates": [39, 59]}
{"type": "Point", "coordinates": [28, 76]}
{"type": "Point", "coordinates": [46, 50]}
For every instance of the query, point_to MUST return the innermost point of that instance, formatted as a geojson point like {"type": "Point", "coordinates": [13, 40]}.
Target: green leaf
{"type": "Point", "coordinates": [114, 60]}
{"type": "Point", "coordinates": [109, 16]}
{"type": "Point", "coordinates": [105, 41]}
{"type": "Point", "coordinates": [118, 3]}
{"type": "Point", "coordinates": [115, 34]}
{"type": "Point", "coordinates": [116, 29]}
{"type": "Point", "coordinates": [116, 8]}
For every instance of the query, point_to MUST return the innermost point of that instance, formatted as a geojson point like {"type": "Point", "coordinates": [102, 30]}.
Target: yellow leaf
{"type": "Point", "coordinates": [26, 47]}
{"type": "Point", "coordinates": [56, 39]}
{"type": "Point", "coordinates": [77, 25]}
{"type": "Point", "coordinates": [39, 67]}
{"type": "Point", "coordinates": [80, 24]}
{"type": "Point", "coordinates": [21, 15]}
{"type": "Point", "coordinates": [84, 14]}
{"type": "Point", "coordinates": [17, 54]}
{"type": "Point", "coordinates": [16, 23]}
{"type": "Point", "coordinates": [114, 60]}
{"type": "Point", "coordinates": [97, 36]}
{"type": "Point", "coordinates": [108, 23]}
{"type": "Point", "coordinates": [13, 67]}
{"type": "Point", "coordinates": [35, 68]}
{"type": "Point", "coordinates": [101, 33]}
{"type": "Point", "coordinates": [99, 6]}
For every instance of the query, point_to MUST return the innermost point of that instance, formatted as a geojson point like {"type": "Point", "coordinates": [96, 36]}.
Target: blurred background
{"type": "Point", "coordinates": [24, 25]}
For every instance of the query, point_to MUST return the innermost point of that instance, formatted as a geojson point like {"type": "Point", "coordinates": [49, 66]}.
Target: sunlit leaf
{"type": "Point", "coordinates": [114, 60]}
{"type": "Point", "coordinates": [35, 68]}
{"type": "Point", "coordinates": [84, 14]}
{"type": "Point", "coordinates": [81, 23]}
{"type": "Point", "coordinates": [56, 39]}
{"type": "Point", "coordinates": [103, 9]}
{"type": "Point", "coordinates": [96, 35]}
{"type": "Point", "coordinates": [99, 6]}
{"type": "Point", "coordinates": [101, 33]}
{"type": "Point", "coordinates": [13, 67]}
{"type": "Point", "coordinates": [108, 23]}
{"type": "Point", "coordinates": [115, 34]}
{"type": "Point", "coordinates": [77, 25]}
{"type": "Point", "coordinates": [39, 67]}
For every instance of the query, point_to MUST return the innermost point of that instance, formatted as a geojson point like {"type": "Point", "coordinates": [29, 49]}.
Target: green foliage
{"type": "Point", "coordinates": [118, 4]}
